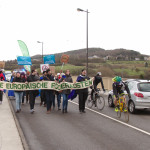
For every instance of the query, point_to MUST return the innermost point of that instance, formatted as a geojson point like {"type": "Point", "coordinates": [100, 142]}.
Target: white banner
{"type": "Point", "coordinates": [44, 67]}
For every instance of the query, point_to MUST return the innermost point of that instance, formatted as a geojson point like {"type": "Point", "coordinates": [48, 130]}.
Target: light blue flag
{"type": "Point", "coordinates": [49, 59]}
{"type": "Point", "coordinates": [24, 60]}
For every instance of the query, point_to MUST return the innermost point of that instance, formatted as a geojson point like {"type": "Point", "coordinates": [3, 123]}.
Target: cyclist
{"type": "Point", "coordinates": [97, 79]}
{"type": "Point", "coordinates": [118, 88]}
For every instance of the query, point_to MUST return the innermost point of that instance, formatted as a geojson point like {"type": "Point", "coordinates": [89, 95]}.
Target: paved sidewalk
{"type": "Point", "coordinates": [9, 135]}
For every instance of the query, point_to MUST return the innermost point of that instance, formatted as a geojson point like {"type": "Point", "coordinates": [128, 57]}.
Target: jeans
{"type": "Point", "coordinates": [65, 101]}
{"type": "Point", "coordinates": [18, 96]}
{"type": "Point", "coordinates": [49, 98]}
{"type": "Point", "coordinates": [58, 99]}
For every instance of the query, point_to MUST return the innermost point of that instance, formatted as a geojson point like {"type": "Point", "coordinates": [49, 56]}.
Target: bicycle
{"type": "Point", "coordinates": [97, 100]}
{"type": "Point", "coordinates": [122, 107]}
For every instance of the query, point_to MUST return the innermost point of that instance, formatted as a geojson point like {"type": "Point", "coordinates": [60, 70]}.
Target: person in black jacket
{"type": "Point", "coordinates": [23, 77]}
{"type": "Point", "coordinates": [32, 93]}
{"type": "Point", "coordinates": [42, 95]}
{"type": "Point", "coordinates": [18, 94]}
{"type": "Point", "coordinates": [97, 79]}
{"type": "Point", "coordinates": [49, 93]}
{"type": "Point", "coordinates": [83, 93]}
{"type": "Point", "coordinates": [118, 88]}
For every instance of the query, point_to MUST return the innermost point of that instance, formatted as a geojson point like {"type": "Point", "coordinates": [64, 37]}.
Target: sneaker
{"type": "Point", "coordinates": [80, 111]}
{"type": "Point", "coordinates": [83, 111]}
{"type": "Point", "coordinates": [125, 110]}
{"type": "Point", "coordinates": [116, 109]}
{"type": "Point", "coordinates": [32, 111]}
{"type": "Point", "coordinates": [48, 112]}
{"type": "Point", "coordinates": [66, 111]}
{"type": "Point", "coordinates": [59, 109]}
{"type": "Point", "coordinates": [17, 111]}
{"type": "Point", "coordinates": [63, 111]}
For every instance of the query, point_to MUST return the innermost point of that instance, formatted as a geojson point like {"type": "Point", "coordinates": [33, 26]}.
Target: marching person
{"type": "Point", "coordinates": [11, 92]}
{"type": "Point", "coordinates": [83, 93]}
{"type": "Point", "coordinates": [2, 78]}
{"type": "Point", "coordinates": [43, 97]}
{"type": "Point", "coordinates": [49, 93]}
{"type": "Point", "coordinates": [65, 93]}
{"type": "Point", "coordinates": [27, 92]}
{"type": "Point", "coordinates": [57, 78]}
{"type": "Point", "coordinates": [32, 93]}
{"type": "Point", "coordinates": [18, 94]}
{"type": "Point", "coordinates": [23, 77]}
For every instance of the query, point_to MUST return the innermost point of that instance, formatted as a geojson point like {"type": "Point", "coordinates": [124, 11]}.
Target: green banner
{"type": "Point", "coordinates": [25, 52]}
{"type": "Point", "coordinates": [49, 85]}
{"type": "Point", "coordinates": [23, 48]}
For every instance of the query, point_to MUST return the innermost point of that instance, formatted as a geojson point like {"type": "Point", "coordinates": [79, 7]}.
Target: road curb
{"type": "Point", "coordinates": [21, 134]}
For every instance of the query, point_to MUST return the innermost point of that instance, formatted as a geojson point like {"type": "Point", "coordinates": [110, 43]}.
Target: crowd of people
{"type": "Point", "coordinates": [47, 96]}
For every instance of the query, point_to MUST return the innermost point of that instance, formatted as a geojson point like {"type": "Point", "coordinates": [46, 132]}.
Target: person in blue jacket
{"type": "Point", "coordinates": [11, 92]}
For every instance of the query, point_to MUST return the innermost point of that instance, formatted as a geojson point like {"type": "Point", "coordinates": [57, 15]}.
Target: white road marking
{"type": "Point", "coordinates": [135, 128]}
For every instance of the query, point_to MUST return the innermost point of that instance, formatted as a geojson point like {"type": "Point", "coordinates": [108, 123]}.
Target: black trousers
{"type": "Point", "coordinates": [82, 99]}
{"type": "Point", "coordinates": [43, 96]}
{"type": "Point", "coordinates": [1, 95]}
{"type": "Point", "coordinates": [32, 97]}
{"type": "Point", "coordinates": [27, 96]}
{"type": "Point", "coordinates": [93, 90]}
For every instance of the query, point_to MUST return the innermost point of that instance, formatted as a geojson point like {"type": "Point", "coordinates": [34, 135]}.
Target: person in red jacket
{"type": "Point", "coordinates": [2, 78]}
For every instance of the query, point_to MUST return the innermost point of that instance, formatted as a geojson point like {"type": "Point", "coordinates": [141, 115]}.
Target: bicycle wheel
{"type": "Point", "coordinates": [126, 114]}
{"type": "Point", "coordinates": [100, 102]}
{"type": "Point", "coordinates": [119, 114]}
{"type": "Point", "coordinates": [89, 101]}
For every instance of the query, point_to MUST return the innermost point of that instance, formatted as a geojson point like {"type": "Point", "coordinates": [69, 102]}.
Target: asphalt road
{"type": "Point", "coordinates": [89, 131]}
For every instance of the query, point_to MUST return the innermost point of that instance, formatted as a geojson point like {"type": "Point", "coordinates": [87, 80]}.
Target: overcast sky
{"type": "Point", "coordinates": [57, 23]}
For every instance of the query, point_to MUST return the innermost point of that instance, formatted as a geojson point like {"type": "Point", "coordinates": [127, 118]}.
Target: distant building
{"type": "Point", "coordinates": [93, 57]}
{"type": "Point", "coordinates": [137, 59]}
{"type": "Point", "coordinates": [35, 60]}
{"type": "Point", "coordinates": [146, 58]}
{"type": "Point", "coordinates": [108, 57]}
{"type": "Point", "coordinates": [2, 64]}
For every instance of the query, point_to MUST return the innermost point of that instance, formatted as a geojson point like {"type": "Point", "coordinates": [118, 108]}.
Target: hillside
{"type": "Point", "coordinates": [109, 62]}
{"type": "Point", "coordinates": [81, 53]}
